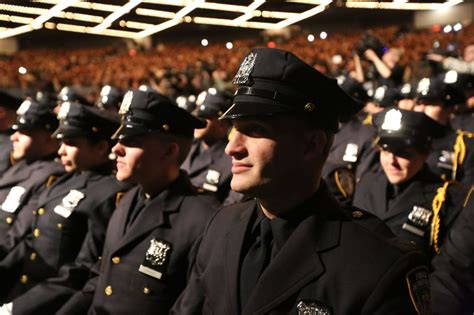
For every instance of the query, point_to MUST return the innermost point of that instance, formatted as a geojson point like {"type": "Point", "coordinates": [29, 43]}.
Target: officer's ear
{"type": "Point", "coordinates": [317, 145]}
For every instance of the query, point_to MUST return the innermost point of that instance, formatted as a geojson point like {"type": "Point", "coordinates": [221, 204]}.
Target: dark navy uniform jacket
{"type": "Point", "coordinates": [22, 184]}
{"type": "Point", "coordinates": [125, 281]}
{"type": "Point", "coordinates": [330, 261]}
{"type": "Point", "coordinates": [210, 169]}
{"type": "Point", "coordinates": [75, 204]}
{"type": "Point", "coordinates": [5, 150]}
{"type": "Point", "coordinates": [372, 194]}
{"type": "Point", "coordinates": [452, 280]}
{"type": "Point", "coordinates": [441, 157]}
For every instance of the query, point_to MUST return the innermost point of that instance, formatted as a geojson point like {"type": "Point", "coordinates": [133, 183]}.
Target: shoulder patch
{"type": "Point", "coordinates": [419, 288]}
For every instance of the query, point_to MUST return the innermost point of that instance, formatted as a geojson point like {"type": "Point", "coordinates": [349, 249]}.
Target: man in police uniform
{"type": "Point", "coordinates": [81, 200]}
{"type": "Point", "coordinates": [452, 156]}
{"type": "Point", "coordinates": [8, 106]}
{"type": "Point", "coordinates": [323, 259]}
{"type": "Point", "coordinates": [207, 164]}
{"type": "Point", "coordinates": [36, 169]}
{"type": "Point", "coordinates": [149, 242]}
{"type": "Point", "coordinates": [413, 201]}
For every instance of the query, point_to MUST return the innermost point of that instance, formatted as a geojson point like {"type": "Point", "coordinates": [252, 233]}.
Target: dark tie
{"type": "Point", "coordinates": [255, 261]}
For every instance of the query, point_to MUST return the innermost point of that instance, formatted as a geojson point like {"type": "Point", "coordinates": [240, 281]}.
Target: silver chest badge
{"type": "Point", "coordinates": [69, 203]}
{"type": "Point", "coordinates": [246, 67]}
{"type": "Point", "coordinates": [156, 258]}
{"type": "Point", "coordinates": [306, 307]}
{"type": "Point", "coordinates": [350, 155]}
{"type": "Point", "coordinates": [212, 179]}
{"type": "Point", "coordinates": [418, 221]}
{"type": "Point", "coordinates": [13, 199]}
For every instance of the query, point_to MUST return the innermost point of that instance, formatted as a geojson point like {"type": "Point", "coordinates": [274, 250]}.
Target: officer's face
{"type": "Point", "coordinates": [266, 159]}
{"type": "Point", "coordinates": [79, 154]}
{"type": "Point", "coordinates": [140, 159]}
{"type": "Point", "coordinates": [436, 111]}
{"type": "Point", "coordinates": [29, 144]}
{"type": "Point", "coordinates": [401, 166]}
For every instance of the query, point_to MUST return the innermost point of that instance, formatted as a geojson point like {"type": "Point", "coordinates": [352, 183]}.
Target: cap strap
{"type": "Point", "coordinates": [273, 95]}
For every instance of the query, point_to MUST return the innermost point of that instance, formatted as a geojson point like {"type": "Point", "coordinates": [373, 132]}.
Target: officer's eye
{"type": "Point", "coordinates": [254, 130]}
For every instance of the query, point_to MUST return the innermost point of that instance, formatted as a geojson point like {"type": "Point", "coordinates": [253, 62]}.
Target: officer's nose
{"type": "Point", "coordinates": [117, 149]}
{"type": "Point", "coordinates": [235, 147]}
{"type": "Point", "coordinates": [14, 136]}
{"type": "Point", "coordinates": [62, 149]}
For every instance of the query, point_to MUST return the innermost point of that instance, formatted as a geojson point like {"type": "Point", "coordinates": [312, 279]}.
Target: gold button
{"type": "Point", "coordinates": [60, 226]}
{"type": "Point", "coordinates": [166, 127]}
{"type": "Point", "coordinates": [146, 291]}
{"type": "Point", "coordinates": [36, 232]}
{"type": "Point", "coordinates": [357, 214]}
{"type": "Point", "coordinates": [108, 290]}
{"type": "Point", "coordinates": [116, 260]}
{"type": "Point", "coordinates": [24, 279]}
{"type": "Point", "coordinates": [41, 211]}
{"type": "Point", "coordinates": [33, 256]}
{"type": "Point", "coordinates": [9, 220]}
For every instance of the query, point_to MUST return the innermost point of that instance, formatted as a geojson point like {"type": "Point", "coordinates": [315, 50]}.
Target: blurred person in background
{"type": "Point", "coordinates": [464, 66]}
{"type": "Point", "coordinates": [8, 106]}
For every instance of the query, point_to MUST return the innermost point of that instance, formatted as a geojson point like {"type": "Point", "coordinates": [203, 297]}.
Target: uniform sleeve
{"type": "Point", "coordinates": [403, 289]}
{"type": "Point", "coordinates": [452, 280]}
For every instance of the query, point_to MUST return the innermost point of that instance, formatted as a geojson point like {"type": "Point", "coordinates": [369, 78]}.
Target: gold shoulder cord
{"type": "Point", "coordinates": [367, 120]}
{"type": "Point", "coordinates": [118, 197]}
{"type": "Point", "coordinates": [460, 150]}
{"type": "Point", "coordinates": [438, 201]}
{"type": "Point", "coordinates": [51, 180]}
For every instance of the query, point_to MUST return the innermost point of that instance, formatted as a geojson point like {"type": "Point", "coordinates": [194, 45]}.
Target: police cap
{"type": "Point", "coordinates": [186, 102]}
{"type": "Point", "coordinates": [9, 101]}
{"type": "Point", "coordinates": [408, 90]}
{"type": "Point", "coordinates": [68, 94]}
{"type": "Point", "coordinates": [273, 81]}
{"type": "Point", "coordinates": [81, 120]}
{"type": "Point", "coordinates": [400, 128]}
{"type": "Point", "coordinates": [212, 103]}
{"type": "Point", "coordinates": [150, 112]}
{"type": "Point", "coordinates": [436, 90]}
{"type": "Point", "coordinates": [34, 115]}
{"type": "Point", "coordinates": [354, 88]}
{"type": "Point", "coordinates": [109, 98]}
{"type": "Point", "coordinates": [386, 96]}
{"type": "Point", "coordinates": [47, 98]}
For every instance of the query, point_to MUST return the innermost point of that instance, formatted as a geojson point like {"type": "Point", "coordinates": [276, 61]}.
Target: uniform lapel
{"type": "Point", "coordinates": [65, 184]}
{"type": "Point", "coordinates": [118, 221]}
{"type": "Point", "coordinates": [234, 243]}
{"type": "Point", "coordinates": [377, 196]}
{"type": "Point", "coordinates": [318, 232]}
{"type": "Point", "coordinates": [17, 173]}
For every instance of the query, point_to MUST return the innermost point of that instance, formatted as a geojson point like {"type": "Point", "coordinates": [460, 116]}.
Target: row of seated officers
{"type": "Point", "coordinates": [130, 221]}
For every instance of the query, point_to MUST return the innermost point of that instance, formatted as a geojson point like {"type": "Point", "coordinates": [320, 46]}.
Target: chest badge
{"type": "Point", "coordinates": [418, 221]}
{"type": "Point", "coordinates": [69, 203]}
{"type": "Point", "coordinates": [13, 199]}
{"type": "Point", "coordinates": [350, 155]}
{"type": "Point", "coordinates": [308, 307]}
{"type": "Point", "coordinates": [156, 258]}
{"type": "Point", "coordinates": [212, 180]}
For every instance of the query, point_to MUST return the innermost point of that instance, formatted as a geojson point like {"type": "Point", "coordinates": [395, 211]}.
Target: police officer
{"type": "Point", "coordinates": [81, 200]}
{"type": "Point", "coordinates": [351, 153]}
{"type": "Point", "coordinates": [36, 169]}
{"type": "Point", "coordinates": [8, 107]}
{"type": "Point", "coordinates": [207, 164]}
{"type": "Point", "coordinates": [413, 201]}
{"type": "Point", "coordinates": [110, 98]}
{"type": "Point", "coordinates": [452, 280]}
{"type": "Point", "coordinates": [319, 257]}
{"type": "Point", "coordinates": [148, 245]}
{"type": "Point", "coordinates": [452, 156]}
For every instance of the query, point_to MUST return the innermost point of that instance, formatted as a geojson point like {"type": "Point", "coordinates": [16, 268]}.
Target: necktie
{"type": "Point", "coordinates": [255, 261]}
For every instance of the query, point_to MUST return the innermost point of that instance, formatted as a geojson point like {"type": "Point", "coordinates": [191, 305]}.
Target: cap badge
{"type": "Point", "coordinates": [450, 77]}
{"type": "Point", "coordinates": [392, 120]}
{"type": "Point", "coordinates": [64, 110]}
{"type": "Point", "coordinates": [243, 74]}
{"type": "Point", "coordinates": [23, 107]}
{"type": "Point", "coordinates": [156, 258]}
{"type": "Point", "coordinates": [309, 107]}
{"type": "Point", "coordinates": [423, 86]}
{"type": "Point", "coordinates": [105, 90]}
{"type": "Point", "coordinates": [127, 101]}
{"type": "Point", "coordinates": [306, 307]}
{"type": "Point", "coordinates": [201, 97]}
{"type": "Point", "coordinates": [380, 93]}
{"type": "Point", "coordinates": [406, 88]}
